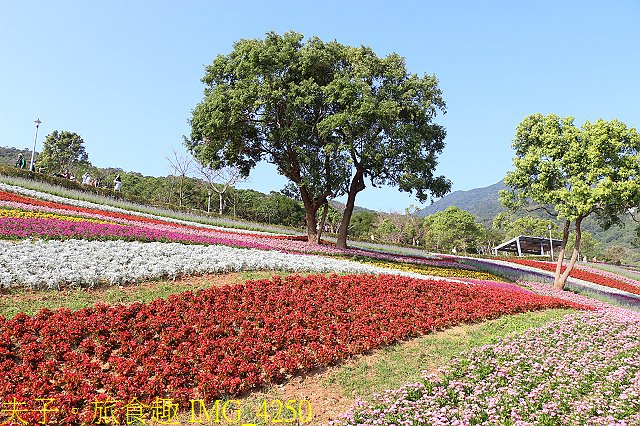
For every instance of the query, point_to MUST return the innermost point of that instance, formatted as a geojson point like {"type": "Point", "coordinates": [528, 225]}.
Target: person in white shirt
{"type": "Point", "coordinates": [117, 184]}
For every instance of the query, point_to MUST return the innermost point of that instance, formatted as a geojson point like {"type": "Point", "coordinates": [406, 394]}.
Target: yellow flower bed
{"type": "Point", "coordinates": [22, 214]}
{"type": "Point", "coordinates": [437, 271]}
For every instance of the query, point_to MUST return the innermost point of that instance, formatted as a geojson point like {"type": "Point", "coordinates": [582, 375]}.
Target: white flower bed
{"type": "Point", "coordinates": [48, 264]}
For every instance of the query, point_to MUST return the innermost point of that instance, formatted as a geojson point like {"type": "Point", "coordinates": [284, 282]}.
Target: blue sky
{"type": "Point", "coordinates": [126, 74]}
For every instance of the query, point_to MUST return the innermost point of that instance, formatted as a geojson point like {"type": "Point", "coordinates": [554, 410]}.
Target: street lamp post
{"type": "Point", "coordinates": [33, 153]}
{"type": "Point", "coordinates": [550, 242]}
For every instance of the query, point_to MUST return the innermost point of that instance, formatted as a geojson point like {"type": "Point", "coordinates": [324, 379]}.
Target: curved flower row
{"type": "Point", "coordinates": [21, 214]}
{"type": "Point", "coordinates": [14, 193]}
{"type": "Point", "coordinates": [82, 263]}
{"type": "Point", "coordinates": [223, 341]}
{"type": "Point", "coordinates": [75, 206]}
{"type": "Point", "coordinates": [515, 287]}
{"type": "Point", "coordinates": [547, 290]}
{"type": "Point", "coordinates": [584, 369]}
{"type": "Point", "coordinates": [464, 272]}
{"type": "Point", "coordinates": [596, 278]}
{"type": "Point", "coordinates": [608, 274]}
{"type": "Point", "coordinates": [50, 228]}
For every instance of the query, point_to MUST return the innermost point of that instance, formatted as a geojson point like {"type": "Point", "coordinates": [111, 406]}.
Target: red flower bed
{"type": "Point", "coordinates": [222, 341]}
{"type": "Point", "coordinates": [582, 275]}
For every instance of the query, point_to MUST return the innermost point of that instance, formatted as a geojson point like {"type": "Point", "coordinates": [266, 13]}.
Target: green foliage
{"type": "Point", "coordinates": [277, 208]}
{"type": "Point", "coordinates": [263, 102]}
{"type": "Point", "coordinates": [383, 119]}
{"type": "Point", "coordinates": [62, 151]}
{"type": "Point", "coordinates": [274, 208]}
{"type": "Point", "coordinates": [324, 114]}
{"type": "Point", "coordinates": [526, 225]}
{"type": "Point", "coordinates": [389, 231]}
{"type": "Point", "coordinates": [451, 228]}
{"type": "Point", "coordinates": [594, 169]}
{"type": "Point", "coordinates": [577, 171]}
{"type": "Point", "coordinates": [589, 246]}
{"type": "Point", "coordinates": [361, 224]}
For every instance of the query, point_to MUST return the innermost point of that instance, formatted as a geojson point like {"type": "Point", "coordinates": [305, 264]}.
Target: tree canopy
{"type": "Point", "coordinates": [62, 151]}
{"type": "Point", "coordinates": [263, 102]}
{"type": "Point", "coordinates": [526, 225]}
{"type": "Point", "coordinates": [452, 228]}
{"type": "Point", "coordinates": [383, 121]}
{"type": "Point", "coordinates": [328, 116]}
{"type": "Point", "coordinates": [573, 172]}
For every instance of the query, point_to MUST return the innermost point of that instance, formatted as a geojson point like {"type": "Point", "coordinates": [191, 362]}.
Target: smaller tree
{"type": "Point", "coordinates": [387, 230]}
{"type": "Point", "coordinates": [452, 228]}
{"type": "Point", "coordinates": [362, 222]}
{"type": "Point", "coordinates": [589, 246]}
{"type": "Point", "coordinates": [491, 238]}
{"type": "Point", "coordinates": [615, 254]}
{"type": "Point", "coordinates": [180, 166]}
{"type": "Point", "coordinates": [594, 169]}
{"type": "Point", "coordinates": [413, 227]}
{"type": "Point", "coordinates": [62, 151]}
{"type": "Point", "coordinates": [220, 180]}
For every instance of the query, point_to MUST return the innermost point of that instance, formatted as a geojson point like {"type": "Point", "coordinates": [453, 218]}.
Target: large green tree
{"type": "Point", "coordinates": [327, 115]}
{"type": "Point", "coordinates": [62, 151]}
{"type": "Point", "coordinates": [574, 172]}
{"type": "Point", "coordinates": [383, 120]}
{"type": "Point", "coordinates": [263, 101]}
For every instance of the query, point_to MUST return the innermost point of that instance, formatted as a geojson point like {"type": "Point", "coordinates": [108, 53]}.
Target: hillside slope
{"type": "Point", "coordinates": [481, 202]}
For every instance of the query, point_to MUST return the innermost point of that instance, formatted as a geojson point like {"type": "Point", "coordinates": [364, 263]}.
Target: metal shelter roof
{"type": "Point", "coordinates": [524, 244]}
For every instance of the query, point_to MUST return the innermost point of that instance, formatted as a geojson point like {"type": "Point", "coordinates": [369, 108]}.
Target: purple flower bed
{"type": "Point", "coordinates": [581, 370]}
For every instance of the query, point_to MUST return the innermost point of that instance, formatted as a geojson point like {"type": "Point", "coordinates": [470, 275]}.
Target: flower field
{"type": "Point", "coordinates": [584, 369]}
{"type": "Point", "coordinates": [226, 340]}
{"type": "Point", "coordinates": [146, 227]}
{"type": "Point", "coordinates": [593, 275]}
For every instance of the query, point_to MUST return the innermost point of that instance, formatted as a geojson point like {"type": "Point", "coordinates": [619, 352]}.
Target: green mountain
{"type": "Point", "coordinates": [481, 202]}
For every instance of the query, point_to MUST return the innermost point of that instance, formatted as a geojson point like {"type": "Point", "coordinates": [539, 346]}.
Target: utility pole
{"type": "Point", "coordinates": [33, 153]}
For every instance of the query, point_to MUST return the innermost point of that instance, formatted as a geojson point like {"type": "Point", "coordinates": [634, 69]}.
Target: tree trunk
{"type": "Point", "coordinates": [235, 203]}
{"type": "Point", "coordinates": [357, 185]}
{"type": "Point", "coordinates": [565, 236]}
{"type": "Point", "coordinates": [310, 213]}
{"type": "Point", "coordinates": [574, 256]}
{"type": "Point", "coordinates": [221, 195]}
{"type": "Point", "coordinates": [322, 220]}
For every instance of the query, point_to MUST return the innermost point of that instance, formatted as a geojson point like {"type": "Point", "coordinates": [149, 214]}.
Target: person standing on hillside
{"type": "Point", "coordinates": [21, 163]}
{"type": "Point", "coordinates": [117, 184]}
